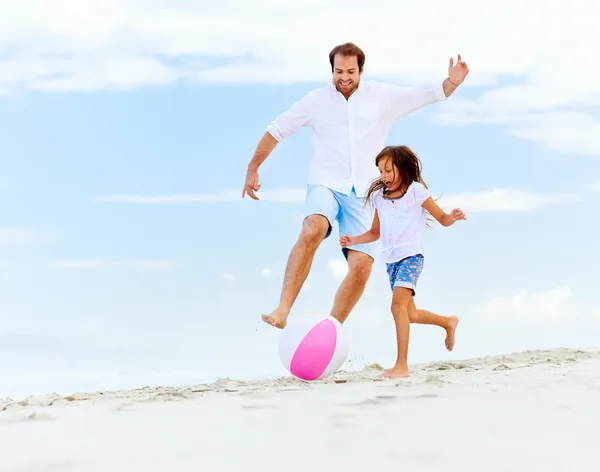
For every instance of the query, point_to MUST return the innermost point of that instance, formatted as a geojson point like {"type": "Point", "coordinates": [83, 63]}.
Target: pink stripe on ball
{"type": "Point", "coordinates": [315, 351]}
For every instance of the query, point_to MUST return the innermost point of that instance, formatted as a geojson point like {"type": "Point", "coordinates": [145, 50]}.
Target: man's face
{"type": "Point", "coordinates": [345, 74]}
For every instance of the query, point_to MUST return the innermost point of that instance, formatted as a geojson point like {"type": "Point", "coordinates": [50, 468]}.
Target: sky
{"type": "Point", "coordinates": [126, 128]}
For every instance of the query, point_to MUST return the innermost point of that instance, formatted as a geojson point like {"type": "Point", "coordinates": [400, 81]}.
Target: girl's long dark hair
{"type": "Point", "coordinates": [405, 161]}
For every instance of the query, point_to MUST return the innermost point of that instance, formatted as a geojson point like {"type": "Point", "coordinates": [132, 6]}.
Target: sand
{"type": "Point", "coordinates": [529, 411]}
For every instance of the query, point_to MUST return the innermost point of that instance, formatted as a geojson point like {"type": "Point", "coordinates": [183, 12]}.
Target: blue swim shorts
{"type": "Point", "coordinates": [405, 273]}
{"type": "Point", "coordinates": [349, 211]}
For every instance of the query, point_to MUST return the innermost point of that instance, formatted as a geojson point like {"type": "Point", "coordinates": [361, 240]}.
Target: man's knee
{"type": "Point", "coordinates": [360, 266]}
{"type": "Point", "coordinates": [314, 230]}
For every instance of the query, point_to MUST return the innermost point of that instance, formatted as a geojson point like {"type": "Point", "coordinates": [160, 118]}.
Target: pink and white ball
{"type": "Point", "coordinates": [313, 346]}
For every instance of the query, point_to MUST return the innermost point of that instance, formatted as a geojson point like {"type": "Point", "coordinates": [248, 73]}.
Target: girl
{"type": "Point", "coordinates": [401, 200]}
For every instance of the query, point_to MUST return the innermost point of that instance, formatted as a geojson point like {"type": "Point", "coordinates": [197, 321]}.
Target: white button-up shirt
{"type": "Point", "coordinates": [348, 134]}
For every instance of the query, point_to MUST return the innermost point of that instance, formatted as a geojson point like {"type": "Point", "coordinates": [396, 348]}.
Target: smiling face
{"type": "Point", "coordinates": [390, 175]}
{"type": "Point", "coordinates": [346, 74]}
{"type": "Point", "coordinates": [399, 168]}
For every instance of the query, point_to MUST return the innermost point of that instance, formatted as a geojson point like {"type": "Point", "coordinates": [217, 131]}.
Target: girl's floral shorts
{"type": "Point", "coordinates": [405, 273]}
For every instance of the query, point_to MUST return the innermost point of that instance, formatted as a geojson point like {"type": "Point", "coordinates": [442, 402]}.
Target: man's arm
{"type": "Point", "coordinates": [448, 87]}
{"type": "Point", "coordinates": [292, 120]}
{"type": "Point", "coordinates": [405, 101]}
{"type": "Point", "coordinates": [286, 124]}
{"type": "Point", "coordinates": [265, 147]}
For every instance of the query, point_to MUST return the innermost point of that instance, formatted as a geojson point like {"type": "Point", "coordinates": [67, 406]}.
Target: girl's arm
{"type": "Point", "coordinates": [367, 237]}
{"type": "Point", "coordinates": [440, 215]}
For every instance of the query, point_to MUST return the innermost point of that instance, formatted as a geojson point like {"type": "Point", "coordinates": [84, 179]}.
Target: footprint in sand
{"type": "Point", "coordinates": [378, 400]}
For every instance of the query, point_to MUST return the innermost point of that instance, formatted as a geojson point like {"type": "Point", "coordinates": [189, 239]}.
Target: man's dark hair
{"type": "Point", "coordinates": [348, 50]}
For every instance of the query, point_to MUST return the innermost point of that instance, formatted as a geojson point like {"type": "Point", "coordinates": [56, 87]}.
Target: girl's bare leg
{"type": "Point", "coordinates": [449, 323]}
{"type": "Point", "coordinates": [400, 301]}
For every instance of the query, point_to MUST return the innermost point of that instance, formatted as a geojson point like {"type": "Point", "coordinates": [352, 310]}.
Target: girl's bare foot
{"type": "Point", "coordinates": [277, 318]}
{"type": "Point", "coordinates": [450, 332]}
{"type": "Point", "coordinates": [397, 372]}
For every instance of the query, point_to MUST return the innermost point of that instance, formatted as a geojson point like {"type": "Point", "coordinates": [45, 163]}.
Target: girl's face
{"type": "Point", "coordinates": [389, 174]}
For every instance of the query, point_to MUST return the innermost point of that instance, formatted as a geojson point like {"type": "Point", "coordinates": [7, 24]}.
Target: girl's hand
{"type": "Point", "coordinates": [346, 240]}
{"type": "Point", "coordinates": [457, 214]}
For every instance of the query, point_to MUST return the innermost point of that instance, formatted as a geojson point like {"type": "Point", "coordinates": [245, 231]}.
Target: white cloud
{"type": "Point", "coordinates": [104, 43]}
{"type": "Point", "coordinates": [564, 129]}
{"type": "Point", "coordinates": [524, 307]}
{"type": "Point", "coordinates": [569, 132]}
{"type": "Point", "coordinates": [503, 200]}
{"type": "Point", "coordinates": [98, 264]}
{"type": "Point", "coordinates": [338, 268]}
{"type": "Point", "coordinates": [18, 237]}
{"type": "Point", "coordinates": [553, 98]}
{"type": "Point", "coordinates": [226, 276]}
{"type": "Point", "coordinates": [266, 272]}
{"type": "Point", "coordinates": [282, 195]}
{"type": "Point", "coordinates": [592, 187]}
{"type": "Point", "coordinates": [496, 200]}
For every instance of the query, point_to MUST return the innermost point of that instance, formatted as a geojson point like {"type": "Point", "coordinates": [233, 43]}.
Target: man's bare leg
{"type": "Point", "coordinates": [449, 323]}
{"type": "Point", "coordinates": [353, 285]}
{"type": "Point", "coordinates": [313, 232]}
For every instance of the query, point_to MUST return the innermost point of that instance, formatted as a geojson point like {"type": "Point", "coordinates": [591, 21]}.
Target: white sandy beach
{"type": "Point", "coordinates": [529, 411]}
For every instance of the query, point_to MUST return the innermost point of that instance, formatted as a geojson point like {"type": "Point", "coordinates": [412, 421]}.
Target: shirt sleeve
{"type": "Point", "coordinates": [406, 100]}
{"type": "Point", "coordinates": [292, 120]}
{"type": "Point", "coordinates": [375, 200]}
{"type": "Point", "coordinates": [421, 192]}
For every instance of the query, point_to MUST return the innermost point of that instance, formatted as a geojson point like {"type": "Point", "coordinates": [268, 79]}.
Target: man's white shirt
{"type": "Point", "coordinates": [348, 134]}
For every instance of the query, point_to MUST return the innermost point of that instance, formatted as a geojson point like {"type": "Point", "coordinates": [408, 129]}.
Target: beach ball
{"type": "Point", "coordinates": [313, 346]}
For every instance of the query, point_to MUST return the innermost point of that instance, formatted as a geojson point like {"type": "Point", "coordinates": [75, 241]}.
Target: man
{"type": "Point", "coordinates": [350, 121]}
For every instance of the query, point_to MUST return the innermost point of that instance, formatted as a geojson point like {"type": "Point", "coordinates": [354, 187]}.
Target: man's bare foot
{"type": "Point", "coordinates": [450, 332]}
{"type": "Point", "coordinates": [397, 372]}
{"type": "Point", "coordinates": [277, 318]}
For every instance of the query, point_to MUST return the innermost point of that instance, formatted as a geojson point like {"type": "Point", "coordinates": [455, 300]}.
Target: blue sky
{"type": "Point", "coordinates": [122, 224]}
